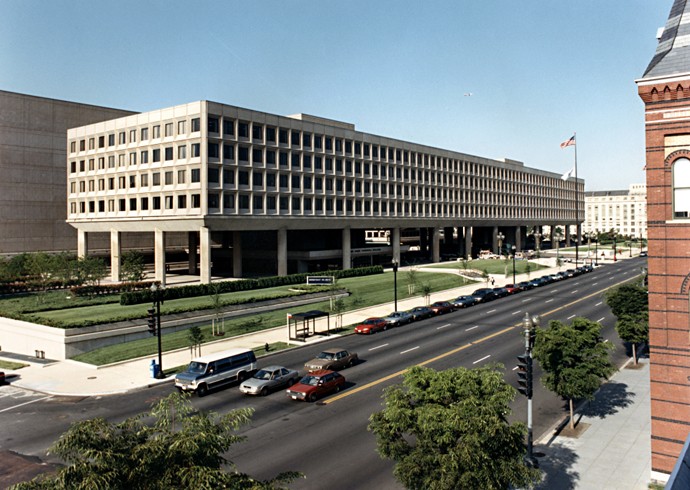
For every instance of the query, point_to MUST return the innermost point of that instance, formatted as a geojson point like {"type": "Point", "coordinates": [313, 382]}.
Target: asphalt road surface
{"type": "Point", "coordinates": [328, 441]}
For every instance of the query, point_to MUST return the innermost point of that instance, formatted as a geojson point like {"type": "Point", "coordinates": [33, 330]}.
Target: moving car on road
{"type": "Point", "coordinates": [316, 384]}
{"type": "Point", "coordinates": [371, 325]}
{"type": "Point", "coordinates": [333, 359]}
{"type": "Point", "coordinates": [269, 379]}
{"type": "Point", "coordinates": [398, 318]}
{"type": "Point", "coordinates": [215, 369]}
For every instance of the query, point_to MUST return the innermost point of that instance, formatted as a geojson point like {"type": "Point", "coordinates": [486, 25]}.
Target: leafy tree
{"type": "Point", "coordinates": [182, 449]}
{"type": "Point", "coordinates": [629, 303]}
{"type": "Point", "coordinates": [575, 359]}
{"type": "Point", "coordinates": [196, 338]}
{"type": "Point", "coordinates": [426, 292]}
{"type": "Point", "coordinates": [412, 279]}
{"type": "Point", "coordinates": [634, 329]}
{"type": "Point", "coordinates": [448, 430]}
{"type": "Point", "coordinates": [132, 267]}
{"type": "Point", "coordinates": [41, 268]}
{"type": "Point", "coordinates": [628, 299]}
{"type": "Point", "coordinates": [90, 270]}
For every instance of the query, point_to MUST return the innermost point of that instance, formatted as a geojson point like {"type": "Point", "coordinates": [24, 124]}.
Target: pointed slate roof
{"type": "Point", "coordinates": [672, 55]}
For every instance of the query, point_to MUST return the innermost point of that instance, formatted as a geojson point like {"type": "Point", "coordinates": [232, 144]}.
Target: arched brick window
{"type": "Point", "coordinates": [681, 188]}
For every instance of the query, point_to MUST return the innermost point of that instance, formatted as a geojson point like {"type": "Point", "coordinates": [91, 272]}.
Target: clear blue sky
{"type": "Point", "coordinates": [538, 70]}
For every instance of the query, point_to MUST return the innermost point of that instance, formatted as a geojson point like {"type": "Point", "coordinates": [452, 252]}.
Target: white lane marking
{"type": "Point", "coordinates": [515, 368]}
{"type": "Point", "coordinates": [409, 350]}
{"type": "Point", "coordinates": [574, 291]}
{"type": "Point", "coordinates": [571, 316]}
{"type": "Point", "coordinates": [443, 326]}
{"type": "Point", "coordinates": [599, 303]}
{"type": "Point", "coordinates": [480, 360]}
{"type": "Point", "coordinates": [548, 300]}
{"type": "Point", "coordinates": [471, 328]}
{"type": "Point", "coordinates": [26, 403]}
{"type": "Point", "coordinates": [516, 312]}
{"type": "Point", "coordinates": [555, 291]}
{"type": "Point", "coordinates": [378, 347]}
{"type": "Point", "coordinates": [526, 299]}
{"type": "Point", "coordinates": [600, 319]}
{"type": "Point", "coordinates": [490, 311]}
{"type": "Point", "coordinates": [595, 284]}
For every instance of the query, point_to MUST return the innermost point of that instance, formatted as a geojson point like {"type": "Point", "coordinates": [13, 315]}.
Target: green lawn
{"type": "Point", "coordinates": [364, 291]}
{"type": "Point", "coordinates": [493, 266]}
{"type": "Point", "coordinates": [11, 365]}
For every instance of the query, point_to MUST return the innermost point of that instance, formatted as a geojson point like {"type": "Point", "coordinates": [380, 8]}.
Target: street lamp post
{"type": "Point", "coordinates": [157, 291]}
{"type": "Point", "coordinates": [395, 283]}
{"type": "Point", "coordinates": [537, 236]}
{"type": "Point", "coordinates": [526, 381]}
{"type": "Point", "coordinates": [614, 247]}
{"type": "Point", "coordinates": [500, 237]}
{"type": "Point", "coordinates": [513, 250]}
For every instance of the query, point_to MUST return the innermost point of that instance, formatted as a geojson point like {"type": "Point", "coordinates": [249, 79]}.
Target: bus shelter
{"type": "Point", "coordinates": [303, 325]}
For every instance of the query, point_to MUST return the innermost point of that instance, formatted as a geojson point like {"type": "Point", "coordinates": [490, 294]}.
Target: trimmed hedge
{"type": "Point", "coordinates": [101, 289]}
{"type": "Point", "coordinates": [146, 295]}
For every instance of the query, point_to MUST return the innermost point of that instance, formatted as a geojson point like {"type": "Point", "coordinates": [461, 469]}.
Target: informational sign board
{"type": "Point", "coordinates": [320, 280]}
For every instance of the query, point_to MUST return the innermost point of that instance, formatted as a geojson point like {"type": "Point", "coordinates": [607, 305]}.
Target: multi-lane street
{"type": "Point", "coordinates": [328, 441]}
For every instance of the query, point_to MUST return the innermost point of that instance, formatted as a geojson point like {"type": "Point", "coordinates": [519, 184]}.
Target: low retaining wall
{"type": "Point", "coordinates": [27, 338]}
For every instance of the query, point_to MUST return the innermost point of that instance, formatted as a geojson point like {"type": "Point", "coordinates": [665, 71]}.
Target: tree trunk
{"type": "Point", "coordinates": [572, 414]}
{"type": "Point", "coordinates": [634, 346]}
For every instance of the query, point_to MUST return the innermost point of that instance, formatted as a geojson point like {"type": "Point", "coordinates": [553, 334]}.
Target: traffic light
{"type": "Point", "coordinates": [525, 375]}
{"type": "Point", "coordinates": [151, 318]}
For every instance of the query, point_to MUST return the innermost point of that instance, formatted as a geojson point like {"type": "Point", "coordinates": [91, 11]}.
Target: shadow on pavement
{"type": "Point", "coordinates": [610, 398]}
{"type": "Point", "coordinates": [557, 469]}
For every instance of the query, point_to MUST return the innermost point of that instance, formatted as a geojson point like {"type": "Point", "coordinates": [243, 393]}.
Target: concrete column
{"type": "Point", "coordinates": [205, 255]}
{"type": "Point", "coordinates": [395, 243]}
{"type": "Point", "coordinates": [494, 240]}
{"type": "Point", "coordinates": [159, 256]}
{"type": "Point", "coordinates": [518, 238]}
{"type": "Point", "coordinates": [435, 244]}
{"type": "Point", "coordinates": [193, 244]}
{"type": "Point", "coordinates": [567, 235]}
{"type": "Point", "coordinates": [282, 252]}
{"type": "Point", "coordinates": [115, 255]}
{"type": "Point", "coordinates": [468, 242]}
{"type": "Point", "coordinates": [237, 254]}
{"type": "Point", "coordinates": [347, 253]}
{"type": "Point", "coordinates": [82, 243]}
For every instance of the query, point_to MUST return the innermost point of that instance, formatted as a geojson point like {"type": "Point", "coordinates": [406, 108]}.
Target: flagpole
{"type": "Point", "coordinates": [577, 208]}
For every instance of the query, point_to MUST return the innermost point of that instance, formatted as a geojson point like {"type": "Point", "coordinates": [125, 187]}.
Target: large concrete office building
{"type": "Point", "coordinates": [252, 191]}
{"type": "Point", "coordinates": [32, 165]}
{"type": "Point", "coordinates": [665, 91]}
{"type": "Point", "coordinates": [622, 210]}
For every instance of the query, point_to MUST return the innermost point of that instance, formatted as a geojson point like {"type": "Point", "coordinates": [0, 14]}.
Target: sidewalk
{"type": "Point", "coordinates": [612, 452]}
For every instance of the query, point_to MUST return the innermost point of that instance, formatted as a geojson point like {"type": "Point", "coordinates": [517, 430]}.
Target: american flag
{"type": "Point", "coordinates": [569, 142]}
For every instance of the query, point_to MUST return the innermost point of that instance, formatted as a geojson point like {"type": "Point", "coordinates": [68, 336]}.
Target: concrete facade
{"type": "Point", "coordinates": [665, 91]}
{"type": "Point", "coordinates": [297, 187]}
{"type": "Point", "coordinates": [33, 202]}
{"type": "Point", "coordinates": [623, 211]}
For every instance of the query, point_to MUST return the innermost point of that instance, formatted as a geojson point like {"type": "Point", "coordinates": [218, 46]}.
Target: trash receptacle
{"type": "Point", "coordinates": [153, 368]}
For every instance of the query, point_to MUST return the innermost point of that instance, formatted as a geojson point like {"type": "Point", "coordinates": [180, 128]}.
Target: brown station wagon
{"type": "Point", "coordinates": [334, 359]}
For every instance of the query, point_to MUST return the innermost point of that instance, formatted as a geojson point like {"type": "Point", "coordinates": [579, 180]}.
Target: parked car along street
{"type": "Point", "coordinates": [398, 318]}
{"type": "Point", "coordinates": [441, 307]}
{"type": "Point", "coordinates": [371, 325]}
{"type": "Point", "coordinates": [421, 312]}
{"type": "Point", "coordinates": [464, 301]}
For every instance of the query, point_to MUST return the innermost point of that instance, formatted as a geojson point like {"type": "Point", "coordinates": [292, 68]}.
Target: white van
{"type": "Point", "coordinates": [208, 371]}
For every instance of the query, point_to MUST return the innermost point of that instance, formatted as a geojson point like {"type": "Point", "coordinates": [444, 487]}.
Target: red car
{"type": "Point", "coordinates": [371, 325]}
{"type": "Point", "coordinates": [316, 384]}
{"type": "Point", "coordinates": [441, 307]}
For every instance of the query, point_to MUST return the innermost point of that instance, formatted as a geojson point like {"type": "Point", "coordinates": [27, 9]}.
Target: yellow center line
{"type": "Point", "coordinates": [458, 349]}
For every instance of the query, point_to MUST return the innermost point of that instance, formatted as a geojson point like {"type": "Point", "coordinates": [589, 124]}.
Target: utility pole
{"type": "Point", "coordinates": [525, 381]}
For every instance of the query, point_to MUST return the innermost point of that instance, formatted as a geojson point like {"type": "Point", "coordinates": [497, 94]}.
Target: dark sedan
{"type": "Point", "coordinates": [501, 292]}
{"type": "Point", "coordinates": [484, 294]}
{"type": "Point", "coordinates": [464, 301]}
{"type": "Point", "coordinates": [441, 307]}
{"type": "Point", "coordinates": [421, 312]}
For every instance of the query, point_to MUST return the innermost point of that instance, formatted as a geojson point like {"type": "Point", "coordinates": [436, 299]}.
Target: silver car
{"type": "Point", "coordinates": [269, 379]}
{"type": "Point", "coordinates": [398, 318]}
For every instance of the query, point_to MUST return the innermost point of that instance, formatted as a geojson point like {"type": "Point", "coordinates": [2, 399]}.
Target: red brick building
{"type": "Point", "coordinates": [665, 90]}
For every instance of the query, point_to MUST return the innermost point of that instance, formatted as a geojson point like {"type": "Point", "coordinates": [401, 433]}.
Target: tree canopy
{"type": "Point", "coordinates": [574, 357]}
{"type": "Point", "coordinates": [448, 429]}
{"type": "Point", "coordinates": [628, 299]}
{"type": "Point", "coordinates": [181, 449]}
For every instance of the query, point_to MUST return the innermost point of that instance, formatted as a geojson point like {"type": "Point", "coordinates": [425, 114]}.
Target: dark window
{"type": "Point", "coordinates": [257, 132]}
{"type": "Point", "coordinates": [213, 150]}
{"type": "Point", "coordinates": [283, 136]}
{"type": "Point", "coordinates": [270, 157]}
{"type": "Point", "coordinates": [156, 155]}
{"type": "Point", "coordinates": [283, 159]}
{"type": "Point", "coordinates": [257, 155]}
{"type": "Point", "coordinates": [228, 127]}
{"type": "Point", "coordinates": [244, 201]}
{"type": "Point", "coordinates": [228, 177]}
{"type": "Point", "coordinates": [243, 154]}
{"type": "Point", "coordinates": [213, 201]}
{"type": "Point", "coordinates": [257, 179]}
{"type": "Point", "coordinates": [295, 182]}
{"type": "Point", "coordinates": [306, 140]}
{"type": "Point", "coordinates": [295, 159]}
{"type": "Point", "coordinates": [295, 204]}
{"type": "Point", "coordinates": [169, 153]}
{"type": "Point", "coordinates": [295, 138]}
{"type": "Point", "coordinates": [271, 134]}
{"type": "Point", "coordinates": [214, 175]}
{"type": "Point", "coordinates": [196, 125]}
{"type": "Point", "coordinates": [228, 152]}
{"type": "Point", "coordinates": [283, 179]}
{"type": "Point", "coordinates": [196, 150]}
{"type": "Point", "coordinates": [329, 143]}
{"type": "Point", "coordinates": [243, 130]}
{"type": "Point", "coordinates": [212, 124]}
{"type": "Point", "coordinates": [196, 175]}
{"type": "Point", "coordinates": [243, 177]}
